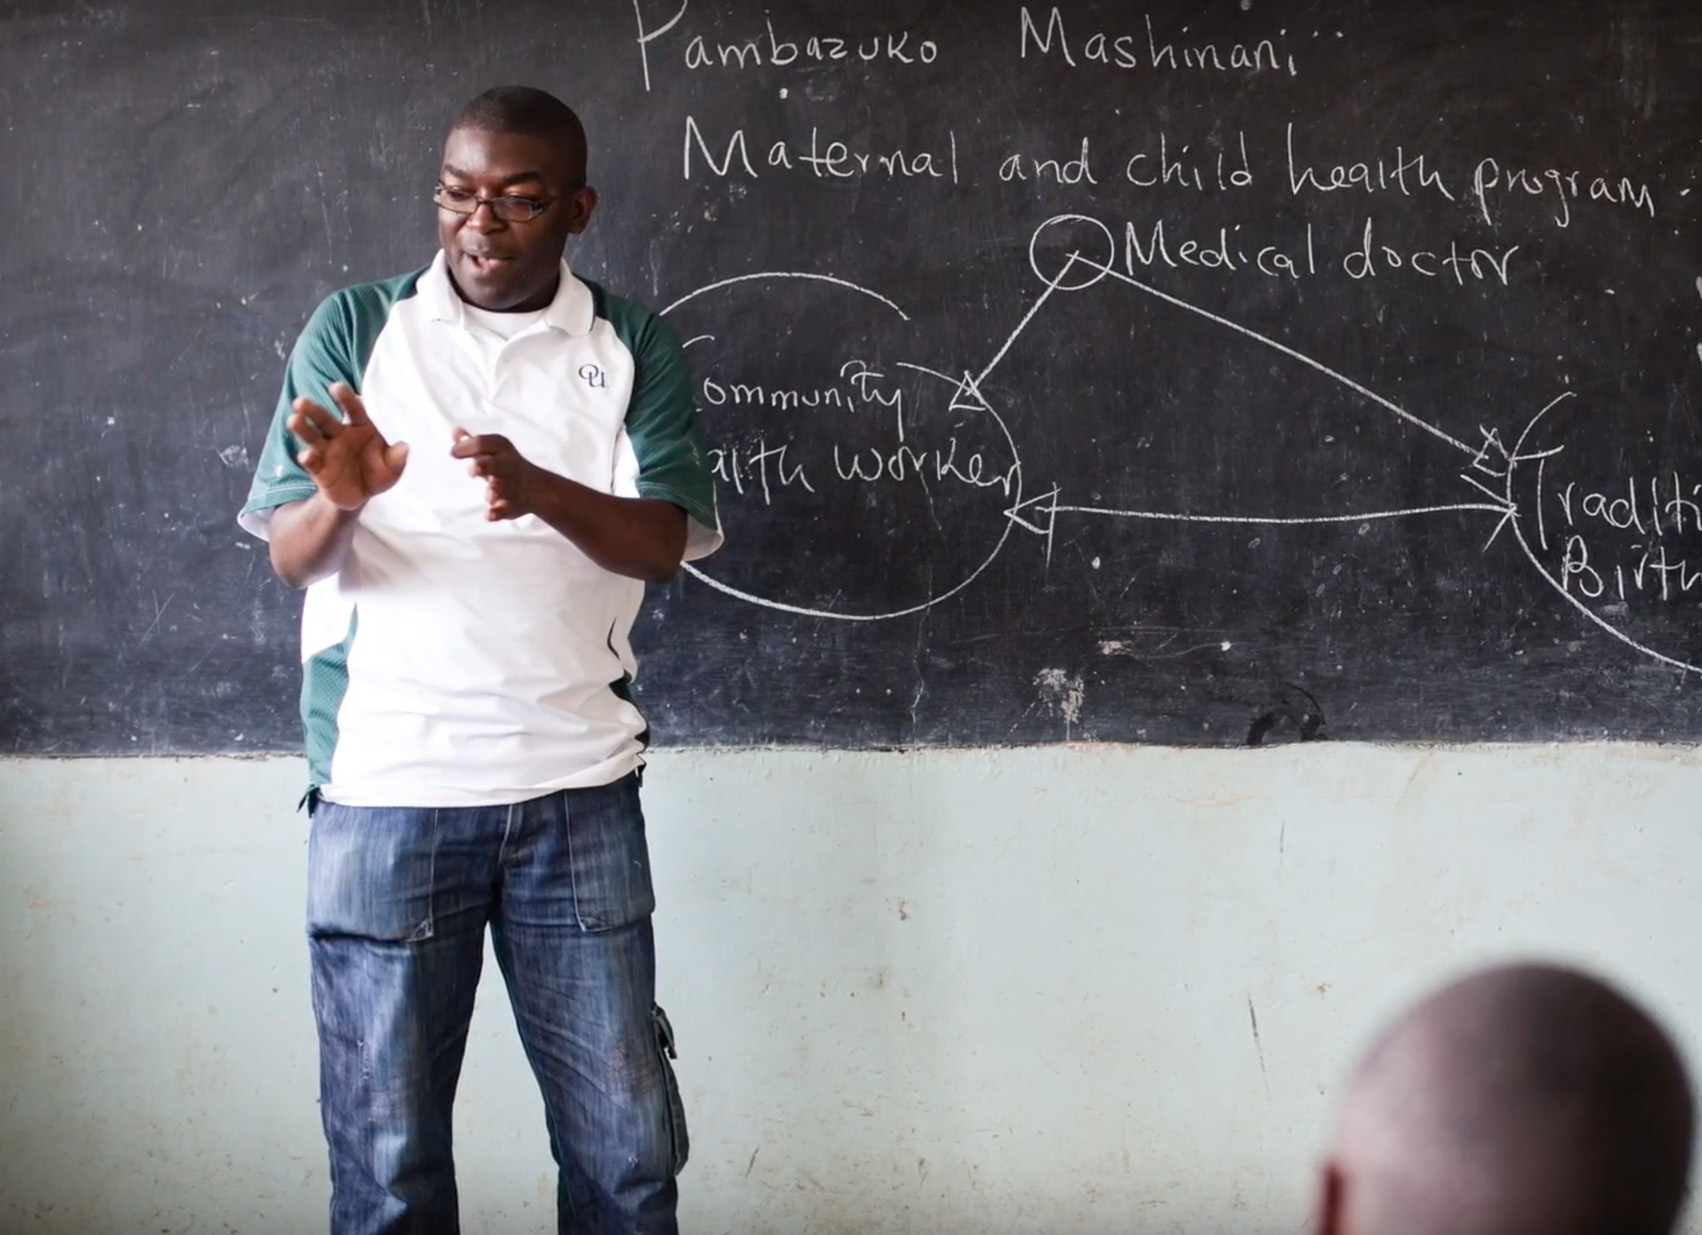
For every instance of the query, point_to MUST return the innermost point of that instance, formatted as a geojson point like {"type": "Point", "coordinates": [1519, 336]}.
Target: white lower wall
{"type": "Point", "coordinates": [993, 992]}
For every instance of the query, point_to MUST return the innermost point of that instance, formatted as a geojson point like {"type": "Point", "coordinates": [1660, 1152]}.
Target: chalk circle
{"type": "Point", "coordinates": [1082, 267]}
{"type": "Point", "coordinates": [1006, 524]}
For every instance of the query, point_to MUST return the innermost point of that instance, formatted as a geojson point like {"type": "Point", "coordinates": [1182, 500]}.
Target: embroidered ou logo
{"type": "Point", "coordinates": [594, 376]}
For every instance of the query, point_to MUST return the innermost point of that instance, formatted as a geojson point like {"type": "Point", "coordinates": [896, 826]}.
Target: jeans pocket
{"type": "Point", "coordinates": [679, 1137]}
{"type": "Point", "coordinates": [609, 856]}
{"type": "Point", "coordinates": [370, 872]}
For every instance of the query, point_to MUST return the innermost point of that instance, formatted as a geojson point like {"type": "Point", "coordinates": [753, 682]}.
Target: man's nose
{"type": "Point", "coordinates": [484, 217]}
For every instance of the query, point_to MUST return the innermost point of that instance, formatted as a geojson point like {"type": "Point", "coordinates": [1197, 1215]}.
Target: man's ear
{"type": "Point", "coordinates": [584, 201]}
{"type": "Point", "coordinates": [1332, 1200]}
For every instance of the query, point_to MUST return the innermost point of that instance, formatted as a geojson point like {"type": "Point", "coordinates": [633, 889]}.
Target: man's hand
{"type": "Point", "coordinates": [348, 459]}
{"type": "Point", "coordinates": [512, 485]}
{"type": "Point", "coordinates": [639, 537]}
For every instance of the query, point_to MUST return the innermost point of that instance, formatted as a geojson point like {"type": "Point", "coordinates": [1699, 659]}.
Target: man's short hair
{"type": "Point", "coordinates": [526, 110]}
{"type": "Point", "coordinates": [1520, 1097]}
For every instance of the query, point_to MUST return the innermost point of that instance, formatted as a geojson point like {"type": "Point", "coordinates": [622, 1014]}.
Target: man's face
{"type": "Point", "coordinates": [510, 266]}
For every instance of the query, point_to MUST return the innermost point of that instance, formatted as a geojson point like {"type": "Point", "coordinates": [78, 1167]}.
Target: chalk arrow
{"type": "Point", "coordinates": [1494, 459]}
{"type": "Point", "coordinates": [968, 397]}
{"type": "Point", "coordinates": [1041, 504]}
{"type": "Point", "coordinates": [1039, 514]}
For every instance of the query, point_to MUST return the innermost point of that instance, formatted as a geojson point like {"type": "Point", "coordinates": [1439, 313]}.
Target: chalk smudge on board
{"type": "Point", "coordinates": [1061, 695]}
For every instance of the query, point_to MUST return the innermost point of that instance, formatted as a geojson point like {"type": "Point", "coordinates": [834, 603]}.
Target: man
{"type": "Point", "coordinates": [516, 453]}
{"type": "Point", "coordinates": [1524, 1100]}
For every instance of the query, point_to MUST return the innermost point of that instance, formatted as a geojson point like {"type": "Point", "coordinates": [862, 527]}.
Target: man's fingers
{"type": "Point", "coordinates": [396, 457]}
{"type": "Point", "coordinates": [323, 422]}
{"type": "Point", "coordinates": [490, 467]}
{"type": "Point", "coordinates": [305, 430]}
{"type": "Point", "coordinates": [310, 459]}
{"type": "Point", "coordinates": [490, 444]}
{"type": "Point", "coordinates": [353, 409]}
{"type": "Point", "coordinates": [301, 423]}
{"type": "Point", "coordinates": [321, 416]}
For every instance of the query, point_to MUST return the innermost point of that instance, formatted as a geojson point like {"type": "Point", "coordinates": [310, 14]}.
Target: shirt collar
{"type": "Point", "coordinates": [572, 311]}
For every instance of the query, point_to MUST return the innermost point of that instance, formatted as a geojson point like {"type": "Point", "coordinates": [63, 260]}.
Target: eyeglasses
{"type": "Point", "coordinates": [508, 208]}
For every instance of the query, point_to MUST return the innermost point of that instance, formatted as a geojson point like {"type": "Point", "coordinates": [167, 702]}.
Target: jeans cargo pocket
{"type": "Point", "coordinates": [680, 1137]}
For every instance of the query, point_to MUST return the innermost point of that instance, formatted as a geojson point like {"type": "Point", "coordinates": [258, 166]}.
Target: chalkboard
{"type": "Point", "coordinates": [1202, 371]}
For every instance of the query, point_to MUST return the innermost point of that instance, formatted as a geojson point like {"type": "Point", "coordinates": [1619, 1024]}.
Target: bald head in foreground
{"type": "Point", "coordinates": [1523, 1100]}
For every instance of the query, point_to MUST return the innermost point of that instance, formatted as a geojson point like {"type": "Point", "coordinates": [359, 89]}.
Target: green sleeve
{"type": "Point", "coordinates": [333, 347]}
{"type": "Point", "coordinates": [662, 421]}
{"type": "Point", "coordinates": [323, 353]}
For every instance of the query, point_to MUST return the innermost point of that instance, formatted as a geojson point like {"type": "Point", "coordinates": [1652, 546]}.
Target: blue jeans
{"type": "Point", "coordinates": [397, 904]}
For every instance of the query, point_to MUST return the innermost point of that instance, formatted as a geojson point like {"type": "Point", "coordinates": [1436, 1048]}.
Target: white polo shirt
{"type": "Point", "coordinates": [453, 661]}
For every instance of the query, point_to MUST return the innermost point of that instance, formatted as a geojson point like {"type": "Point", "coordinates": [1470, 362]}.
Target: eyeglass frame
{"type": "Point", "coordinates": [536, 205]}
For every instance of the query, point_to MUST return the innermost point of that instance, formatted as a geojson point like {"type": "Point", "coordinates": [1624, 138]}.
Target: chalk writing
{"type": "Point", "coordinates": [1173, 167]}
{"type": "Point", "coordinates": [739, 465]}
{"type": "Point", "coordinates": [766, 466]}
{"type": "Point", "coordinates": [1228, 249]}
{"type": "Point", "coordinates": [776, 49]}
{"type": "Point", "coordinates": [826, 158]}
{"type": "Point", "coordinates": [1291, 201]}
{"type": "Point", "coordinates": [1560, 188]}
{"type": "Point", "coordinates": [702, 53]}
{"type": "Point", "coordinates": [1491, 183]}
{"type": "Point", "coordinates": [1073, 171]}
{"type": "Point", "coordinates": [1147, 49]}
{"type": "Point", "coordinates": [1407, 174]}
{"type": "Point", "coordinates": [1660, 510]}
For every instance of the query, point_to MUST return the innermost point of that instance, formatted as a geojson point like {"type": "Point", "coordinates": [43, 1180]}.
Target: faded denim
{"type": "Point", "coordinates": [398, 900]}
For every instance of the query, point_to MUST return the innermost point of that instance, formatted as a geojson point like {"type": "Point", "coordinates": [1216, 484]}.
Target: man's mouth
{"type": "Point", "coordinates": [484, 263]}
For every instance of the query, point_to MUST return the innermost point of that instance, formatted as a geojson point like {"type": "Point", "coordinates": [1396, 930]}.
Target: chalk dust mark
{"type": "Point", "coordinates": [1061, 695]}
{"type": "Point", "coordinates": [1257, 1044]}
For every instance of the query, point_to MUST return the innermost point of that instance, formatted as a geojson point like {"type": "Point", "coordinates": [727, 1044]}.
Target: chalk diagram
{"type": "Point", "coordinates": [1495, 472]}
